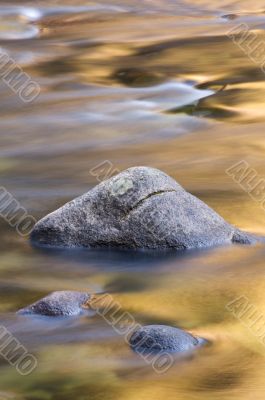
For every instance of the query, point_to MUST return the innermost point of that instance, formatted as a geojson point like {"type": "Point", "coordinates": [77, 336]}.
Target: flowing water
{"type": "Point", "coordinates": [155, 83]}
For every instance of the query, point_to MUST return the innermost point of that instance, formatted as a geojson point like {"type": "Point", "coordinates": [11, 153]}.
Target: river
{"type": "Point", "coordinates": [124, 83]}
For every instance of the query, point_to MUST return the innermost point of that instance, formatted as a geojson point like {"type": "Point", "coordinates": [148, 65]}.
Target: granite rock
{"type": "Point", "coordinates": [163, 338]}
{"type": "Point", "coordinates": [61, 303]}
{"type": "Point", "coordinates": [141, 207]}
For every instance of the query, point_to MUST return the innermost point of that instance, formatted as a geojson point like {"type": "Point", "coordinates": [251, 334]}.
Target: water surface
{"type": "Point", "coordinates": [155, 83]}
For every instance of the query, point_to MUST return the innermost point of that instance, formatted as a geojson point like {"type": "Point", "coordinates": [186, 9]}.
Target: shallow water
{"type": "Point", "coordinates": [155, 83]}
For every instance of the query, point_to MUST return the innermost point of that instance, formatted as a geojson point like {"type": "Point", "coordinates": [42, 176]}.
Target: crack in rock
{"type": "Point", "coordinates": [140, 202]}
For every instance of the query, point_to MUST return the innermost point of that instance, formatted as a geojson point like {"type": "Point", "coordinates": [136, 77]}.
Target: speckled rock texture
{"type": "Point", "coordinates": [164, 338]}
{"type": "Point", "coordinates": [62, 303]}
{"type": "Point", "coordinates": [141, 207]}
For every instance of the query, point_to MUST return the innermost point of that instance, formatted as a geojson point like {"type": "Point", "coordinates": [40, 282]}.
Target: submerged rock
{"type": "Point", "coordinates": [163, 338]}
{"type": "Point", "coordinates": [139, 208]}
{"type": "Point", "coordinates": [62, 303]}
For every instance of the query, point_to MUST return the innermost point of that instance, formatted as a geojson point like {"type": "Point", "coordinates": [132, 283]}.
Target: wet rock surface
{"type": "Point", "coordinates": [155, 338]}
{"type": "Point", "coordinates": [61, 303]}
{"type": "Point", "coordinates": [141, 207]}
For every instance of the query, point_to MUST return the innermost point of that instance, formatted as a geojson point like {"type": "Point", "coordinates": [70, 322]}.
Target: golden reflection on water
{"type": "Point", "coordinates": [157, 83]}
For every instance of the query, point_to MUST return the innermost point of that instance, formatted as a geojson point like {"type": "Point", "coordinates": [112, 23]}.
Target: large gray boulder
{"type": "Point", "coordinates": [163, 338]}
{"type": "Point", "coordinates": [139, 208]}
{"type": "Point", "coordinates": [61, 303]}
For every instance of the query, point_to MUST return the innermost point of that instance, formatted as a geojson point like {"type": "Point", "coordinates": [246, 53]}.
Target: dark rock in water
{"type": "Point", "coordinates": [155, 338]}
{"type": "Point", "coordinates": [139, 208]}
{"type": "Point", "coordinates": [62, 303]}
